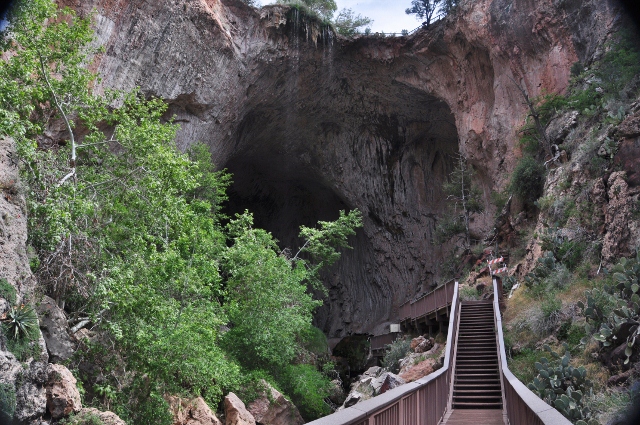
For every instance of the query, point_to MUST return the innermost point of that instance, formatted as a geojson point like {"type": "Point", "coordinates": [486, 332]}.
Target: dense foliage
{"type": "Point", "coordinates": [347, 22]}
{"type": "Point", "coordinates": [323, 8]}
{"type": "Point", "coordinates": [129, 232]}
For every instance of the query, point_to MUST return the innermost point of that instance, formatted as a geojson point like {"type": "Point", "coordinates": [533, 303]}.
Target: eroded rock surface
{"type": "Point", "coordinates": [63, 397]}
{"type": "Point", "coordinates": [107, 418]}
{"type": "Point", "coordinates": [14, 263]}
{"type": "Point", "coordinates": [55, 330]}
{"type": "Point", "coordinates": [310, 122]}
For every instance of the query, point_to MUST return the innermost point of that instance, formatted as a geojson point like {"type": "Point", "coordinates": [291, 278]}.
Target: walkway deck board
{"type": "Point", "coordinates": [475, 417]}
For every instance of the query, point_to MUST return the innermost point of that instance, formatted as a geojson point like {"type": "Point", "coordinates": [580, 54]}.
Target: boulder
{"type": "Point", "coordinates": [560, 127]}
{"type": "Point", "coordinates": [31, 398]}
{"type": "Point", "coordinates": [371, 386]}
{"type": "Point", "coordinates": [630, 127]}
{"type": "Point", "coordinates": [273, 408]}
{"type": "Point", "coordinates": [628, 159]}
{"type": "Point", "coordinates": [55, 330]}
{"type": "Point", "coordinates": [353, 398]}
{"type": "Point", "coordinates": [419, 370]}
{"type": "Point", "coordinates": [336, 392]}
{"type": "Point", "coordinates": [63, 397]}
{"type": "Point", "coordinates": [107, 418]}
{"type": "Point", "coordinates": [235, 411]}
{"type": "Point", "coordinates": [620, 378]}
{"type": "Point", "coordinates": [373, 371]}
{"type": "Point", "coordinates": [417, 341]}
{"type": "Point", "coordinates": [191, 411]}
{"type": "Point", "coordinates": [425, 345]}
{"type": "Point", "coordinates": [391, 381]}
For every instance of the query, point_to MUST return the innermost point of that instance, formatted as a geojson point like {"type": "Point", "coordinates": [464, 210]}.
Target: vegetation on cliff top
{"type": "Point", "coordinates": [129, 232]}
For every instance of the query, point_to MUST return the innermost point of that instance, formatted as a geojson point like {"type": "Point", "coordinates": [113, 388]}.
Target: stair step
{"type": "Point", "coordinates": [483, 386]}
{"type": "Point", "coordinates": [467, 405]}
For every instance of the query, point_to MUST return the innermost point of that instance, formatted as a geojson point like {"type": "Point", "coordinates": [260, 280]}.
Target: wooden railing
{"type": "Point", "coordinates": [423, 402]}
{"type": "Point", "coordinates": [379, 342]}
{"type": "Point", "coordinates": [523, 406]}
{"type": "Point", "coordinates": [428, 303]}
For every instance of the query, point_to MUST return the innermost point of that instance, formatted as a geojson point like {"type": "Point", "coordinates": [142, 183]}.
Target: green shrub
{"type": "Point", "coordinates": [527, 180]}
{"type": "Point", "coordinates": [469, 293]}
{"type": "Point", "coordinates": [624, 294]}
{"type": "Point", "coordinates": [522, 364]}
{"type": "Point", "coordinates": [563, 386]}
{"type": "Point", "coordinates": [576, 69]}
{"type": "Point", "coordinates": [20, 322]}
{"type": "Point", "coordinates": [396, 351]}
{"type": "Point", "coordinates": [315, 341]}
{"type": "Point", "coordinates": [7, 402]}
{"type": "Point", "coordinates": [143, 405]}
{"type": "Point", "coordinates": [7, 291]}
{"type": "Point", "coordinates": [22, 332]}
{"type": "Point", "coordinates": [308, 389]}
{"type": "Point", "coordinates": [84, 418]}
{"type": "Point", "coordinates": [550, 306]}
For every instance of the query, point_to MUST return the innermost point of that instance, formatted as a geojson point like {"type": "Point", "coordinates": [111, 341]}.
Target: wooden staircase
{"type": "Point", "coordinates": [476, 382]}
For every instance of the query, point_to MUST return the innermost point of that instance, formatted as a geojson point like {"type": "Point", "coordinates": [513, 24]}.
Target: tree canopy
{"type": "Point", "coordinates": [427, 10]}
{"type": "Point", "coordinates": [129, 232]}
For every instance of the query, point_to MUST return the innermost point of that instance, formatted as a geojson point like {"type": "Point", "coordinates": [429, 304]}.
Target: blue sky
{"type": "Point", "coordinates": [387, 15]}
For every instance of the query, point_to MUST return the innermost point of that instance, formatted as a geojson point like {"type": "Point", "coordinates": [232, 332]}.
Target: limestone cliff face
{"type": "Point", "coordinates": [310, 123]}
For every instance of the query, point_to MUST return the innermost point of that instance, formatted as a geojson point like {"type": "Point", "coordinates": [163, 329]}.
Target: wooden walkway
{"type": "Point", "coordinates": [476, 397]}
{"type": "Point", "coordinates": [475, 417]}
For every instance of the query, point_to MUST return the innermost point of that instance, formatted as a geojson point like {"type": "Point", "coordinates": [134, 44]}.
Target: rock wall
{"type": "Point", "coordinates": [310, 122]}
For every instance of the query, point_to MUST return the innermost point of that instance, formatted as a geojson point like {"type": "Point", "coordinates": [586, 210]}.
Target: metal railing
{"type": "Point", "coordinates": [429, 303]}
{"type": "Point", "coordinates": [434, 19]}
{"type": "Point", "coordinates": [423, 402]}
{"type": "Point", "coordinates": [522, 405]}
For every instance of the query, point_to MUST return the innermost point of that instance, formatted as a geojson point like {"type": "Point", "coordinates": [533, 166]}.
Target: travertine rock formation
{"type": "Point", "coordinates": [274, 409]}
{"type": "Point", "coordinates": [235, 411]}
{"type": "Point", "coordinates": [310, 123]}
{"type": "Point", "coordinates": [63, 397]}
{"type": "Point", "coordinates": [191, 412]}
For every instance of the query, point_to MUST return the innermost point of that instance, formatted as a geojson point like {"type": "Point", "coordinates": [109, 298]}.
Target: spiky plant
{"type": "Point", "coordinates": [20, 321]}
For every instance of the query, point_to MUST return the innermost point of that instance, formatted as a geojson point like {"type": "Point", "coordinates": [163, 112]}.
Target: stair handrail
{"type": "Point", "coordinates": [404, 396]}
{"type": "Point", "coordinates": [522, 405]}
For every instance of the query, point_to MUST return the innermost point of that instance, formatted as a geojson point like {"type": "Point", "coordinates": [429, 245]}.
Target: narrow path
{"type": "Point", "coordinates": [477, 390]}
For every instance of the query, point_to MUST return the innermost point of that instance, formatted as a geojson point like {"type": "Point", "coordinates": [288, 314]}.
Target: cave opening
{"type": "Point", "coordinates": [283, 194]}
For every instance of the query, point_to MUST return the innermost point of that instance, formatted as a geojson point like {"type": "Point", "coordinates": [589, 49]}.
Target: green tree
{"type": "Point", "coordinates": [427, 10]}
{"type": "Point", "coordinates": [348, 23]}
{"type": "Point", "coordinates": [527, 180]}
{"type": "Point", "coordinates": [266, 294]}
{"type": "Point", "coordinates": [129, 231]}
{"type": "Point", "coordinates": [465, 199]}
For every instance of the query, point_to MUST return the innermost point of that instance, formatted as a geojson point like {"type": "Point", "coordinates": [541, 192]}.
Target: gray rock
{"type": "Point", "coordinates": [353, 398]}
{"type": "Point", "coordinates": [373, 371]}
{"type": "Point", "coordinates": [31, 399]}
{"type": "Point", "coordinates": [559, 128]}
{"type": "Point", "coordinates": [390, 382]}
{"type": "Point", "coordinates": [55, 330]}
